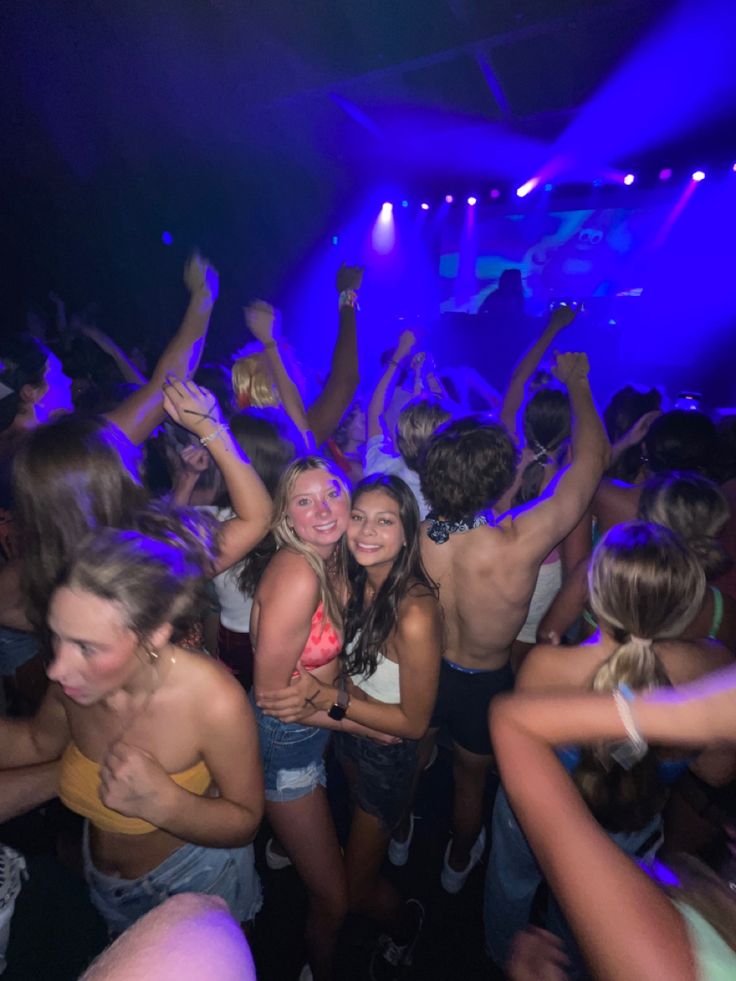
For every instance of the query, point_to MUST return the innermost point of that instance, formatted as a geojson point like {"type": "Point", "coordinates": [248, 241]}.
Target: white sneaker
{"type": "Point", "coordinates": [306, 973]}
{"type": "Point", "coordinates": [432, 758]}
{"type": "Point", "coordinates": [453, 881]}
{"type": "Point", "coordinates": [274, 860]}
{"type": "Point", "coordinates": [398, 851]}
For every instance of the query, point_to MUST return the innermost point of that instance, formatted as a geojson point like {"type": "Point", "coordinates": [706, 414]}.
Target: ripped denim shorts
{"type": "Point", "coordinates": [226, 872]}
{"type": "Point", "coordinates": [292, 757]}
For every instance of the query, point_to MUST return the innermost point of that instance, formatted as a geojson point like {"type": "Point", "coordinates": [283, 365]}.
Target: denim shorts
{"type": "Point", "coordinates": [292, 757]}
{"type": "Point", "coordinates": [226, 872]}
{"type": "Point", "coordinates": [383, 775]}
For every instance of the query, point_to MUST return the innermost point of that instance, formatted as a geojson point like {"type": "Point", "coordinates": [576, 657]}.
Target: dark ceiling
{"type": "Point", "coordinates": [242, 124]}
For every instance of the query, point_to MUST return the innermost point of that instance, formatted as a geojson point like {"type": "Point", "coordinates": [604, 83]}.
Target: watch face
{"type": "Point", "coordinates": [337, 712]}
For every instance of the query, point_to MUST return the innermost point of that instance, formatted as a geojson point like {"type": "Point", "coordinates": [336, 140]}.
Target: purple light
{"type": "Point", "coordinates": [629, 179]}
{"type": "Point", "coordinates": [527, 188]}
{"type": "Point", "coordinates": [665, 173]}
{"type": "Point", "coordinates": [387, 208]}
{"type": "Point", "coordinates": [424, 206]}
{"type": "Point", "coordinates": [472, 201]}
{"type": "Point", "coordinates": [733, 168]}
{"type": "Point", "coordinates": [449, 199]}
{"type": "Point", "coordinates": [384, 231]}
{"type": "Point", "coordinates": [167, 238]}
{"type": "Point", "coordinates": [495, 193]}
{"type": "Point", "coordinates": [699, 175]}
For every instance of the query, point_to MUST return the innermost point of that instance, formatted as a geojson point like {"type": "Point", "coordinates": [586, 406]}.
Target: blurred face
{"type": "Point", "coordinates": [375, 535]}
{"type": "Point", "coordinates": [318, 510]}
{"type": "Point", "coordinates": [95, 653]}
{"type": "Point", "coordinates": [55, 395]}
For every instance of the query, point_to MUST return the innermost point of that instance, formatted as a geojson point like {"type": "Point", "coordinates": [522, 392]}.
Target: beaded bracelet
{"type": "Point", "coordinates": [206, 440]}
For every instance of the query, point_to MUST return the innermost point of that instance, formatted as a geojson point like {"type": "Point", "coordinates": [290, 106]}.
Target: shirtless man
{"type": "Point", "coordinates": [486, 571]}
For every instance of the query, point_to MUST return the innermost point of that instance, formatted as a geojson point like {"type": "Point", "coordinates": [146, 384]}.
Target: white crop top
{"type": "Point", "coordinates": [383, 684]}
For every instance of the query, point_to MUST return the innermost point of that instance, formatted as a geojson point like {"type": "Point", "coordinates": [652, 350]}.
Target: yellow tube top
{"type": "Point", "coordinates": [79, 789]}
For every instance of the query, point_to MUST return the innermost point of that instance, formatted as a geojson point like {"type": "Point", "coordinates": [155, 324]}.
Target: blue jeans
{"type": "Point", "coordinates": [513, 878]}
{"type": "Point", "coordinates": [292, 757]}
{"type": "Point", "coordinates": [226, 872]}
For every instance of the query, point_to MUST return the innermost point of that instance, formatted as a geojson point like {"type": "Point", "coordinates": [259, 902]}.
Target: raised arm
{"type": "Point", "coordinates": [143, 411]}
{"type": "Point", "coordinates": [260, 318]}
{"type": "Point", "coordinates": [108, 346]}
{"type": "Point", "coordinates": [514, 395]}
{"type": "Point", "coordinates": [641, 935]}
{"type": "Point", "coordinates": [558, 511]}
{"type": "Point", "coordinates": [375, 419]}
{"type": "Point", "coordinates": [325, 413]}
{"type": "Point", "coordinates": [197, 410]}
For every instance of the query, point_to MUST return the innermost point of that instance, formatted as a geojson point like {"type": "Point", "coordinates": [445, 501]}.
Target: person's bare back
{"type": "Point", "coordinates": [486, 582]}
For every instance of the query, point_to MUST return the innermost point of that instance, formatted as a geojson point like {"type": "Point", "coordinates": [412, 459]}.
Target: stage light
{"type": "Point", "coordinates": [449, 199]}
{"type": "Point", "coordinates": [404, 204]}
{"type": "Point", "coordinates": [665, 173]}
{"type": "Point", "coordinates": [424, 206]}
{"type": "Point", "coordinates": [335, 240]}
{"type": "Point", "coordinates": [699, 175]}
{"type": "Point", "coordinates": [495, 193]}
{"type": "Point", "coordinates": [521, 192]}
{"type": "Point", "coordinates": [597, 182]}
{"type": "Point", "coordinates": [548, 187]}
{"type": "Point", "coordinates": [733, 168]}
{"type": "Point", "coordinates": [167, 238]}
{"type": "Point", "coordinates": [629, 179]}
{"type": "Point", "coordinates": [472, 201]}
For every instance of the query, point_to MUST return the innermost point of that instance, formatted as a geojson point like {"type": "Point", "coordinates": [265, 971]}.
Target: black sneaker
{"type": "Point", "coordinates": [390, 958]}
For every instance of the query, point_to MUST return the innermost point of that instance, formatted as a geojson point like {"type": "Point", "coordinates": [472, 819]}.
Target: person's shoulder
{"type": "Point", "coordinates": [225, 695]}
{"type": "Point", "coordinates": [555, 666]}
{"type": "Point", "coordinates": [288, 573]}
{"type": "Point", "coordinates": [419, 611]}
{"type": "Point", "coordinates": [688, 660]}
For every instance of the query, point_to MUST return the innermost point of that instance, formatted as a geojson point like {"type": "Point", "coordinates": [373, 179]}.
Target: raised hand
{"type": "Point", "coordinates": [640, 428]}
{"type": "Point", "coordinates": [194, 408]}
{"type": "Point", "coordinates": [407, 340]}
{"type": "Point", "coordinates": [563, 316]}
{"type": "Point", "coordinates": [570, 368]}
{"type": "Point", "coordinates": [349, 277]}
{"type": "Point", "coordinates": [260, 318]}
{"type": "Point", "coordinates": [194, 460]}
{"type": "Point", "coordinates": [201, 277]}
{"type": "Point", "coordinates": [99, 337]}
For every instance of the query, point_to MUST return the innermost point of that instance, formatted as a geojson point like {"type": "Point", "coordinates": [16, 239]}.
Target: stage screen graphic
{"type": "Point", "coordinates": [561, 255]}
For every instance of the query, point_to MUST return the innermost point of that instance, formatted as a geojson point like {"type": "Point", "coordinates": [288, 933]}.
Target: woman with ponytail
{"type": "Point", "coordinates": [169, 781]}
{"type": "Point", "coordinates": [646, 586]}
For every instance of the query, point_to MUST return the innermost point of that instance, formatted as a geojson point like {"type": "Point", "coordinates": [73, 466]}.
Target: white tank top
{"type": "Point", "coordinates": [383, 684]}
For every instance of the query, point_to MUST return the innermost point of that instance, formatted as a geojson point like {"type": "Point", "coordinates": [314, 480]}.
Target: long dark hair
{"type": "Point", "coordinates": [546, 427]}
{"type": "Point", "coordinates": [367, 630]}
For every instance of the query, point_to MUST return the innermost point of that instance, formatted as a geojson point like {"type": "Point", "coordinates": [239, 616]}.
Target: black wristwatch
{"type": "Point", "coordinates": [338, 710]}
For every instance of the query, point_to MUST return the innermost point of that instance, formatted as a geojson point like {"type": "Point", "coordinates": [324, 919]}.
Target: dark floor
{"type": "Point", "coordinates": [55, 931]}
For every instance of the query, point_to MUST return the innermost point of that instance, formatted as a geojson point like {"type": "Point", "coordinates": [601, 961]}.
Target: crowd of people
{"type": "Point", "coordinates": [208, 588]}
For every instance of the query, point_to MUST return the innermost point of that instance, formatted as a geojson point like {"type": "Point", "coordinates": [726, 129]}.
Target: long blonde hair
{"type": "Point", "coordinates": [286, 537]}
{"type": "Point", "coordinates": [645, 585]}
{"type": "Point", "coordinates": [252, 383]}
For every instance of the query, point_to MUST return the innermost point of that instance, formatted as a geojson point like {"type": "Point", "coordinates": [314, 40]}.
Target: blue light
{"type": "Point", "coordinates": [548, 187]}
{"type": "Point", "coordinates": [597, 182]}
{"type": "Point", "coordinates": [167, 238]}
{"type": "Point", "coordinates": [335, 239]}
{"type": "Point", "coordinates": [404, 204]}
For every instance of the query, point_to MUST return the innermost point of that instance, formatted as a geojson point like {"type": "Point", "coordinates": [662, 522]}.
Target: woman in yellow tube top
{"type": "Point", "coordinates": [158, 745]}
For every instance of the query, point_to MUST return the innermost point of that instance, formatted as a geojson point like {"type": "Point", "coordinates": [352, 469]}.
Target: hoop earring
{"type": "Point", "coordinates": [152, 655]}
